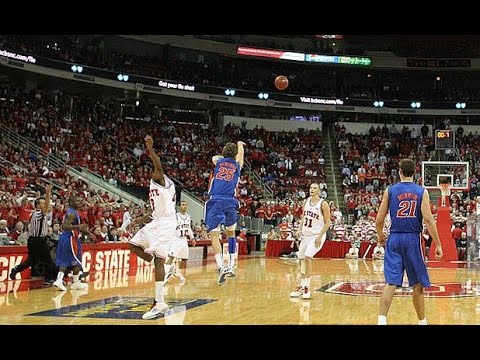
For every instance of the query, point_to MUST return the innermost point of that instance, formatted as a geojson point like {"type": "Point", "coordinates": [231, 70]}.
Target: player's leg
{"type": "Point", "coordinates": [63, 260]}
{"type": "Point", "coordinates": [182, 257]}
{"type": "Point", "coordinates": [181, 270]}
{"type": "Point", "coordinates": [417, 273]}
{"type": "Point", "coordinates": [231, 218]}
{"type": "Point", "coordinates": [301, 257]}
{"type": "Point", "coordinates": [419, 304]}
{"type": "Point", "coordinates": [393, 270]}
{"type": "Point", "coordinates": [76, 250]}
{"type": "Point", "coordinates": [170, 262]}
{"type": "Point", "coordinates": [385, 302]}
{"type": "Point", "coordinates": [214, 217]}
{"type": "Point", "coordinates": [139, 243]}
{"type": "Point", "coordinates": [232, 248]}
{"type": "Point", "coordinates": [310, 251]}
{"type": "Point", "coordinates": [159, 306]}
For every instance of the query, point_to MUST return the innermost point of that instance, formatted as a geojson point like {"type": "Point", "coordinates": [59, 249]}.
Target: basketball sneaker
{"type": "Point", "coordinates": [230, 272]}
{"type": "Point", "coordinates": [79, 286]}
{"type": "Point", "coordinates": [59, 285]}
{"type": "Point", "coordinates": [156, 310]}
{"type": "Point", "coordinates": [298, 292]}
{"type": "Point", "coordinates": [222, 276]}
{"type": "Point", "coordinates": [306, 293]}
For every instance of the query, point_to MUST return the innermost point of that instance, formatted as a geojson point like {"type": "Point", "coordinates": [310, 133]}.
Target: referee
{"type": "Point", "coordinates": [38, 249]}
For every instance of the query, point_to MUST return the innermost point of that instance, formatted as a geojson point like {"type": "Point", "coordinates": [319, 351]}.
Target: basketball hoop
{"type": "Point", "coordinates": [445, 189]}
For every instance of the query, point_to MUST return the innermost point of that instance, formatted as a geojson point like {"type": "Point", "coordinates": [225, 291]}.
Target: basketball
{"type": "Point", "coordinates": [281, 82]}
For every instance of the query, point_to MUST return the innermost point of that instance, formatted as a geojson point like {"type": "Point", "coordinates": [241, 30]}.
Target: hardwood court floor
{"type": "Point", "coordinates": [259, 294]}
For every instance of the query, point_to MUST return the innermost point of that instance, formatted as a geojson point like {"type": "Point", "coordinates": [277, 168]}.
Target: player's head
{"type": "Point", "coordinates": [183, 207]}
{"type": "Point", "coordinates": [230, 150]}
{"type": "Point", "coordinates": [74, 202]}
{"type": "Point", "coordinates": [314, 189]}
{"type": "Point", "coordinates": [407, 168]}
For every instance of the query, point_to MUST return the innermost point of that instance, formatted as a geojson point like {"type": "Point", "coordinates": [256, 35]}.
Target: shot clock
{"type": "Point", "coordinates": [444, 139]}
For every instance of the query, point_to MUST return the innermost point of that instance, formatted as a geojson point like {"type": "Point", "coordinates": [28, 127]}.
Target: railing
{"type": "Point", "coordinates": [92, 178]}
{"type": "Point", "coordinates": [57, 163]}
{"type": "Point", "coordinates": [18, 139]}
{"type": "Point", "coordinates": [267, 190]}
{"type": "Point", "coordinates": [8, 164]}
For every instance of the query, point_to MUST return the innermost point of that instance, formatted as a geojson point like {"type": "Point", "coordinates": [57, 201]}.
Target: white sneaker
{"type": "Point", "coordinates": [59, 285]}
{"type": "Point", "coordinates": [181, 279]}
{"type": "Point", "coordinates": [156, 310]}
{"type": "Point", "coordinates": [222, 276]}
{"type": "Point", "coordinates": [306, 293]}
{"type": "Point", "coordinates": [79, 286]}
{"type": "Point", "coordinates": [298, 292]}
{"type": "Point", "coordinates": [230, 272]}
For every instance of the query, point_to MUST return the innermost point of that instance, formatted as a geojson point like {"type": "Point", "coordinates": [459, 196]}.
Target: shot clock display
{"type": "Point", "coordinates": [444, 139]}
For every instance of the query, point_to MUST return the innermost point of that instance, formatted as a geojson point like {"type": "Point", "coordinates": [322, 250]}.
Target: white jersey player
{"type": "Point", "coordinates": [314, 224]}
{"type": "Point", "coordinates": [153, 240]}
{"type": "Point", "coordinates": [155, 237]}
{"type": "Point", "coordinates": [179, 246]}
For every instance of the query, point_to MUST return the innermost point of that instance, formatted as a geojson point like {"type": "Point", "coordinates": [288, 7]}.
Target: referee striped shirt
{"type": "Point", "coordinates": [38, 225]}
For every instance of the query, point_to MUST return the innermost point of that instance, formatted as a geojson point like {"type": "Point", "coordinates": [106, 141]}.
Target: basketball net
{"type": "Point", "coordinates": [445, 189]}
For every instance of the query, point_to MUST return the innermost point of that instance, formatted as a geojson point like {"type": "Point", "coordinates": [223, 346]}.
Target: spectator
{"type": "Point", "coordinates": [378, 252]}
{"type": "Point", "coordinates": [352, 252]}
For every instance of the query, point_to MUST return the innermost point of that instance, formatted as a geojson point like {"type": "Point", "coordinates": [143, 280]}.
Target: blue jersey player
{"type": "Point", "coordinates": [222, 205]}
{"type": "Point", "coordinates": [408, 204]}
{"type": "Point", "coordinates": [69, 248]}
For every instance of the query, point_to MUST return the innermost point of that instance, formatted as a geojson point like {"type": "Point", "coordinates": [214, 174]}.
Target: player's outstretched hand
{"type": "Point", "coordinates": [149, 142]}
{"type": "Point", "coordinates": [241, 143]}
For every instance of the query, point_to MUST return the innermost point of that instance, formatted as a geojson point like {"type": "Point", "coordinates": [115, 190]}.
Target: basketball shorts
{"type": "Point", "coordinates": [156, 236]}
{"type": "Point", "coordinates": [221, 211]}
{"type": "Point", "coordinates": [69, 251]}
{"type": "Point", "coordinates": [404, 252]}
{"type": "Point", "coordinates": [308, 248]}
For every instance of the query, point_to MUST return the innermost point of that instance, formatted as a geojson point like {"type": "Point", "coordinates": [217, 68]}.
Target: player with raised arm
{"type": "Point", "coordinates": [153, 240]}
{"type": "Point", "coordinates": [222, 205]}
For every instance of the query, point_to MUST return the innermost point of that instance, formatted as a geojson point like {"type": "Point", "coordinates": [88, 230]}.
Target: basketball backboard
{"type": "Point", "coordinates": [455, 172]}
